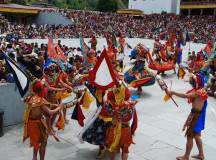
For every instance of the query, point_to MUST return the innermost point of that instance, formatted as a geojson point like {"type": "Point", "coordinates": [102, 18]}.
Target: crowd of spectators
{"type": "Point", "coordinates": [31, 57]}
{"type": "Point", "coordinates": [134, 26]}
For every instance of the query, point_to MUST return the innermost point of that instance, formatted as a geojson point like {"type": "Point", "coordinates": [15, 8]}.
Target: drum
{"type": "Point", "coordinates": [80, 88]}
{"type": "Point", "coordinates": [69, 99]}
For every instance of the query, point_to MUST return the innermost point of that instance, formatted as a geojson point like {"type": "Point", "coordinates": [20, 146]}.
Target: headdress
{"type": "Point", "coordinates": [37, 86]}
{"type": "Point", "coordinates": [199, 80]}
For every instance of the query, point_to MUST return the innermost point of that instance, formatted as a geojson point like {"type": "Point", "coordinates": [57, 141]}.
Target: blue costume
{"type": "Point", "coordinates": [140, 75]}
{"type": "Point", "coordinates": [196, 120]}
{"type": "Point", "coordinates": [200, 124]}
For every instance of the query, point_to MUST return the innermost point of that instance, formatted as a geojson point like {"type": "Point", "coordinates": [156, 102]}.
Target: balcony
{"type": "Point", "coordinates": [211, 4]}
{"type": "Point", "coordinates": [198, 2]}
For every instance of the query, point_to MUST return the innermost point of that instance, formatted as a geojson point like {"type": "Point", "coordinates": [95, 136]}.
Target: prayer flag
{"type": "Point", "coordinates": [21, 78]}
{"type": "Point", "coordinates": [181, 73]}
{"type": "Point", "coordinates": [51, 49]}
{"type": "Point", "coordinates": [87, 100]}
{"type": "Point", "coordinates": [103, 67]}
{"type": "Point", "coordinates": [61, 122]}
{"type": "Point", "coordinates": [60, 56]}
{"type": "Point", "coordinates": [78, 115]}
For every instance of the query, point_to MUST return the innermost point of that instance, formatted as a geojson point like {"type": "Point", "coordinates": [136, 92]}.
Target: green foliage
{"type": "Point", "coordinates": [60, 3]}
{"type": "Point", "coordinates": [82, 4]}
{"type": "Point", "coordinates": [125, 3]}
{"type": "Point", "coordinates": [107, 5]}
{"type": "Point", "coordinates": [22, 2]}
{"type": "Point", "coordinates": [102, 5]}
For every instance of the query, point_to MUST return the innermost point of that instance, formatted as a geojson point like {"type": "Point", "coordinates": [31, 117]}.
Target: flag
{"type": "Point", "coordinates": [102, 75]}
{"type": "Point", "coordinates": [114, 41]}
{"type": "Point", "coordinates": [84, 49]}
{"type": "Point", "coordinates": [108, 40]}
{"type": "Point", "coordinates": [179, 58]}
{"type": "Point", "coordinates": [172, 37]}
{"type": "Point", "coordinates": [60, 56]}
{"type": "Point", "coordinates": [134, 123]}
{"type": "Point", "coordinates": [78, 115]}
{"type": "Point", "coordinates": [87, 100]}
{"type": "Point", "coordinates": [181, 73]}
{"type": "Point", "coordinates": [163, 54]}
{"type": "Point", "coordinates": [51, 49]}
{"type": "Point", "coordinates": [166, 98]}
{"type": "Point", "coordinates": [208, 47]}
{"type": "Point", "coordinates": [129, 46]}
{"type": "Point", "coordinates": [60, 122]}
{"type": "Point", "coordinates": [21, 78]}
{"type": "Point", "coordinates": [188, 37]}
{"type": "Point", "coordinates": [84, 46]}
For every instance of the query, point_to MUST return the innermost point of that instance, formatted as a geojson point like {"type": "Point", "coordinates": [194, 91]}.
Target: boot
{"type": "Point", "coordinates": [101, 154]}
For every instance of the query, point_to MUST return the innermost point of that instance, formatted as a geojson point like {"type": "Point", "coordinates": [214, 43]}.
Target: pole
{"type": "Point", "coordinates": [189, 46]}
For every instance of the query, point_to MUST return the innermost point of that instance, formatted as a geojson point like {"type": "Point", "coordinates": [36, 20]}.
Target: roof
{"type": "Point", "coordinates": [16, 8]}
{"type": "Point", "coordinates": [130, 11]}
{"type": "Point", "coordinates": [197, 5]}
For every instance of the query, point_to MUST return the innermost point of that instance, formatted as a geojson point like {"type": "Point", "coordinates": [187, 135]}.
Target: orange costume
{"type": "Point", "coordinates": [121, 109]}
{"type": "Point", "coordinates": [93, 42]}
{"type": "Point", "coordinates": [35, 129]}
{"type": "Point", "coordinates": [91, 58]}
{"type": "Point", "coordinates": [122, 43]}
{"type": "Point", "coordinates": [112, 52]}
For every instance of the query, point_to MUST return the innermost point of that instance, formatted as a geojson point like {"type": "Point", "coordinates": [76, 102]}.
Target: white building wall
{"type": "Point", "coordinates": [155, 6]}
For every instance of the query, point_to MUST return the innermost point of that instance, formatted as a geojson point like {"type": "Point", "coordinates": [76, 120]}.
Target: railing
{"type": "Point", "coordinates": [199, 3]}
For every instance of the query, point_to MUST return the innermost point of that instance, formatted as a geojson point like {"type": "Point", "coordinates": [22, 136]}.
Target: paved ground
{"type": "Point", "coordinates": [159, 134]}
{"type": "Point", "coordinates": [158, 137]}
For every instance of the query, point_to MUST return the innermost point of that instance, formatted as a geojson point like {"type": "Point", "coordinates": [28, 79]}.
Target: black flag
{"type": "Point", "coordinates": [20, 77]}
{"type": "Point", "coordinates": [188, 37]}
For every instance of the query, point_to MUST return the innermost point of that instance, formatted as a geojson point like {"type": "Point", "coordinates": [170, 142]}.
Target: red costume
{"type": "Point", "coordinates": [121, 109]}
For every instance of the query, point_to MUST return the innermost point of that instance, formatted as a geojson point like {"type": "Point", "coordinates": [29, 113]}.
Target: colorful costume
{"type": "Point", "coordinates": [198, 63]}
{"type": "Point", "coordinates": [91, 59]}
{"type": "Point", "coordinates": [118, 105]}
{"type": "Point", "coordinates": [35, 129]}
{"type": "Point", "coordinates": [122, 43]}
{"type": "Point", "coordinates": [112, 53]}
{"type": "Point", "coordinates": [138, 76]}
{"type": "Point", "coordinates": [93, 42]}
{"type": "Point", "coordinates": [161, 62]}
{"type": "Point", "coordinates": [53, 77]}
{"type": "Point", "coordinates": [96, 132]}
{"type": "Point", "coordinates": [196, 120]}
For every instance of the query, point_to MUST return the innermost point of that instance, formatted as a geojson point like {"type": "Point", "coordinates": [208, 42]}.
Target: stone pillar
{"type": "Point", "coordinates": [189, 12]}
{"type": "Point", "coordinates": [201, 11]}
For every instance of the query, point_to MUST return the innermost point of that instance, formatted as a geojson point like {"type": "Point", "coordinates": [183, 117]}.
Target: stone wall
{"type": "Point", "coordinates": [11, 103]}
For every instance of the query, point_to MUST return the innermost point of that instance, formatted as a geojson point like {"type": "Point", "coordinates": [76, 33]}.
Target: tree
{"type": "Point", "coordinates": [60, 3]}
{"type": "Point", "coordinates": [22, 2]}
{"type": "Point", "coordinates": [126, 3]}
{"type": "Point", "coordinates": [107, 5]}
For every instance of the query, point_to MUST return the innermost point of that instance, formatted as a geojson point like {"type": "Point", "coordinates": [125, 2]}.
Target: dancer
{"type": "Point", "coordinates": [93, 42]}
{"type": "Point", "coordinates": [58, 89]}
{"type": "Point", "coordinates": [196, 120]}
{"type": "Point", "coordinates": [96, 133]}
{"type": "Point", "coordinates": [121, 109]}
{"type": "Point", "coordinates": [138, 75]}
{"type": "Point", "coordinates": [35, 126]}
